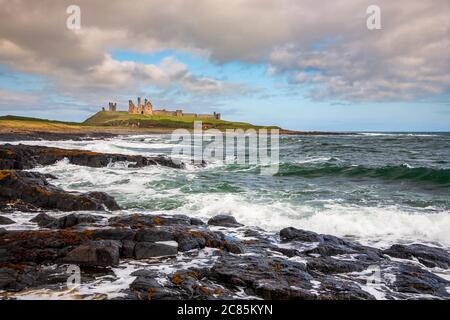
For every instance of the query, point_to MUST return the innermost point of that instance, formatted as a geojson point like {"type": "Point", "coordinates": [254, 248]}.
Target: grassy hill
{"type": "Point", "coordinates": [115, 122]}
{"type": "Point", "coordinates": [124, 119]}
{"type": "Point", "coordinates": [35, 124]}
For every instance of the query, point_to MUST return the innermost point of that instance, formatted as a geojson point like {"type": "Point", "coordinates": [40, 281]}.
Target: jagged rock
{"type": "Point", "coordinates": [43, 220]}
{"type": "Point", "coordinates": [75, 219]}
{"type": "Point", "coordinates": [19, 157]}
{"type": "Point", "coordinates": [17, 277]}
{"type": "Point", "coordinates": [102, 253]}
{"type": "Point", "coordinates": [223, 221]}
{"type": "Point", "coordinates": [328, 265]}
{"type": "Point", "coordinates": [335, 289]}
{"type": "Point", "coordinates": [292, 234]}
{"type": "Point", "coordinates": [144, 250]}
{"type": "Point", "coordinates": [189, 241]}
{"type": "Point", "coordinates": [197, 222]}
{"type": "Point", "coordinates": [413, 279]}
{"type": "Point", "coordinates": [233, 245]}
{"type": "Point", "coordinates": [33, 188]}
{"type": "Point", "coordinates": [146, 287]}
{"type": "Point", "coordinates": [269, 277]}
{"type": "Point", "coordinates": [429, 256]}
{"type": "Point", "coordinates": [38, 246]}
{"type": "Point", "coordinates": [5, 220]}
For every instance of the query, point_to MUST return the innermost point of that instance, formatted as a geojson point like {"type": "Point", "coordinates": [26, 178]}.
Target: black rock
{"type": "Point", "coordinates": [32, 188]}
{"type": "Point", "coordinates": [113, 234]}
{"type": "Point", "coordinates": [412, 279]}
{"type": "Point", "coordinates": [154, 235]}
{"type": "Point", "coordinates": [127, 249]}
{"type": "Point", "coordinates": [197, 222]}
{"type": "Point", "coordinates": [102, 253]}
{"type": "Point", "coordinates": [74, 219]}
{"type": "Point", "coordinates": [144, 250]}
{"type": "Point", "coordinates": [5, 220]}
{"type": "Point", "coordinates": [44, 220]}
{"type": "Point", "coordinates": [19, 157]}
{"type": "Point", "coordinates": [149, 220]}
{"type": "Point", "coordinates": [429, 256]}
{"type": "Point", "coordinates": [328, 265]}
{"type": "Point", "coordinates": [292, 234]}
{"type": "Point", "coordinates": [224, 221]}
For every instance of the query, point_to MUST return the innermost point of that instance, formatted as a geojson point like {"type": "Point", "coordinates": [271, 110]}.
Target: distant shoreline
{"type": "Point", "coordinates": [21, 128]}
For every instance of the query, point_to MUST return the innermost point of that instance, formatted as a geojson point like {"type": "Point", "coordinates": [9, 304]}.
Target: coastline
{"type": "Point", "coordinates": [155, 256]}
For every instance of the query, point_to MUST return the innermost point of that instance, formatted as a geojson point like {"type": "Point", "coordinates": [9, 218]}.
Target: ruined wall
{"type": "Point", "coordinates": [112, 107]}
{"type": "Point", "coordinates": [147, 109]}
{"type": "Point", "coordinates": [164, 112]}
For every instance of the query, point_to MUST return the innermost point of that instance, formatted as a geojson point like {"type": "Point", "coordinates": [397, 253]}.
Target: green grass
{"type": "Point", "coordinates": [18, 118]}
{"type": "Point", "coordinates": [122, 118]}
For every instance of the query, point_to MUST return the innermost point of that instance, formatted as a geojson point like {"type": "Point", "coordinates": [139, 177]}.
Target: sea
{"type": "Point", "coordinates": [375, 188]}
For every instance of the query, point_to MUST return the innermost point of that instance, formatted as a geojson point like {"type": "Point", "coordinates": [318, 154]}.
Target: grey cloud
{"type": "Point", "coordinates": [322, 45]}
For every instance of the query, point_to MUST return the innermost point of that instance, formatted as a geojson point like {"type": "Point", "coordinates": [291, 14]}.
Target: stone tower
{"type": "Point", "coordinates": [131, 107]}
{"type": "Point", "coordinates": [112, 106]}
{"type": "Point", "coordinates": [148, 108]}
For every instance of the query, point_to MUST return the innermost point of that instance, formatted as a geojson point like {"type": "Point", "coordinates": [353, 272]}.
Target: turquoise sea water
{"type": "Point", "coordinates": [376, 187]}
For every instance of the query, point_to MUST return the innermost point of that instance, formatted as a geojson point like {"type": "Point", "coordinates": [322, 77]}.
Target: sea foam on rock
{"type": "Point", "coordinates": [32, 191]}
{"type": "Point", "coordinates": [188, 260]}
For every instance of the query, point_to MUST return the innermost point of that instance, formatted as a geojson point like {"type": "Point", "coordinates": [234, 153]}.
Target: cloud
{"type": "Point", "coordinates": [324, 46]}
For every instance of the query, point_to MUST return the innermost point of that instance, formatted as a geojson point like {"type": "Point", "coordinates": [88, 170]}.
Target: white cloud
{"type": "Point", "coordinates": [324, 45]}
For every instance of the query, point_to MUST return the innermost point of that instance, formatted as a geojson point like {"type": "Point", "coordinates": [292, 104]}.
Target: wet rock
{"type": "Point", "coordinates": [328, 265]}
{"type": "Point", "coordinates": [102, 253]}
{"type": "Point", "coordinates": [43, 220]}
{"type": "Point", "coordinates": [17, 277]}
{"type": "Point", "coordinates": [144, 250]}
{"type": "Point", "coordinates": [428, 256]}
{"type": "Point", "coordinates": [127, 249]}
{"type": "Point", "coordinates": [74, 219]}
{"type": "Point", "coordinates": [336, 289]}
{"type": "Point", "coordinates": [5, 220]}
{"type": "Point", "coordinates": [106, 200]}
{"type": "Point", "coordinates": [224, 221]}
{"type": "Point", "coordinates": [38, 246]}
{"type": "Point", "coordinates": [149, 220]}
{"type": "Point", "coordinates": [146, 287]}
{"type": "Point", "coordinates": [2, 231]}
{"type": "Point", "coordinates": [33, 188]}
{"type": "Point", "coordinates": [196, 222]}
{"type": "Point", "coordinates": [19, 157]}
{"type": "Point", "coordinates": [112, 234]}
{"type": "Point", "coordinates": [154, 235]}
{"type": "Point", "coordinates": [232, 245]}
{"type": "Point", "coordinates": [413, 279]}
{"type": "Point", "coordinates": [269, 277]}
{"type": "Point", "coordinates": [292, 234]}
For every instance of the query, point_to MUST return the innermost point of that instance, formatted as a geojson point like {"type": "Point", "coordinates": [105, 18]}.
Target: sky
{"type": "Point", "coordinates": [299, 64]}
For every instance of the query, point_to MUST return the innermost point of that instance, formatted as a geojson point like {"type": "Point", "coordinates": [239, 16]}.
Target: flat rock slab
{"type": "Point", "coordinates": [20, 157]}
{"type": "Point", "coordinates": [144, 250]}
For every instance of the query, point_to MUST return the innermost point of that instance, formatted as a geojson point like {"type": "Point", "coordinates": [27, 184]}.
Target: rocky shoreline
{"type": "Point", "coordinates": [143, 256]}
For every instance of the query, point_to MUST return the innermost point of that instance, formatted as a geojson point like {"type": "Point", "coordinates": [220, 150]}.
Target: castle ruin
{"type": "Point", "coordinates": [111, 107]}
{"type": "Point", "coordinates": [146, 108]}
